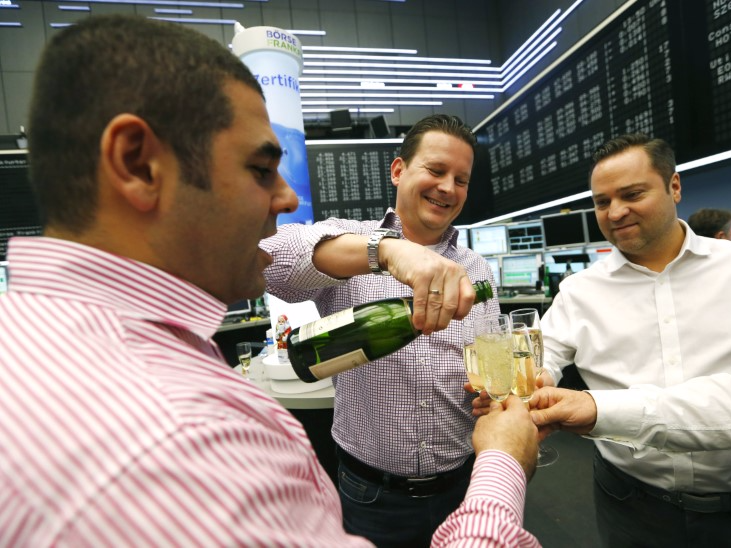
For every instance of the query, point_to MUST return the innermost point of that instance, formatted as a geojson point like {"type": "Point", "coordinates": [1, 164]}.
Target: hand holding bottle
{"type": "Point", "coordinates": [427, 273]}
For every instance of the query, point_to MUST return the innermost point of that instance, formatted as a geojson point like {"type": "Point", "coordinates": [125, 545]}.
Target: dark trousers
{"type": "Point", "coordinates": [630, 517]}
{"type": "Point", "coordinates": [391, 517]}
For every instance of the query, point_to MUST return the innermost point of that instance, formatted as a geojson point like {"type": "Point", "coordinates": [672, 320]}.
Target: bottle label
{"type": "Point", "coordinates": [328, 323]}
{"type": "Point", "coordinates": [342, 363]}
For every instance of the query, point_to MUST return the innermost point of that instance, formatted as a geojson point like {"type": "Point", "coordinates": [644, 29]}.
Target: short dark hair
{"type": "Point", "coordinates": [169, 75]}
{"type": "Point", "coordinates": [662, 157]}
{"type": "Point", "coordinates": [708, 222]}
{"type": "Point", "coordinates": [445, 123]}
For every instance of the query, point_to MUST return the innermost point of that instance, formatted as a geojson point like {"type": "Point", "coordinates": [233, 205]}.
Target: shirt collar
{"type": "Point", "coordinates": [692, 244]}
{"type": "Point", "coordinates": [393, 221]}
{"type": "Point", "coordinates": [69, 270]}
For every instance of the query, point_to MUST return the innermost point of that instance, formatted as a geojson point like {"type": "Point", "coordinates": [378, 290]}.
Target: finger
{"type": "Point", "coordinates": [466, 298]}
{"type": "Point", "coordinates": [495, 406]}
{"type": "Point", "coordinates": [469, 388]}
{"type": "Point", "coordinates": [435, 299]}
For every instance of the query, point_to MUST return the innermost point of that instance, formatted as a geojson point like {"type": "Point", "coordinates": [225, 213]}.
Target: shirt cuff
{"type": "Point", "coordinates": [619, 414]}
{"type": "Point", "coordinates": [496, 475]}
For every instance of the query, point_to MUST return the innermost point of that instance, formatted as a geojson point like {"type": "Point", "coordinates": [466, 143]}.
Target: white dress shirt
{"type": "Point", "coordinates": [655, 352]}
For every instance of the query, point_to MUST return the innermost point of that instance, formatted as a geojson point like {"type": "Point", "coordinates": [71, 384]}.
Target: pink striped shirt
{"type": "Point", "coordinates": [121, 425]}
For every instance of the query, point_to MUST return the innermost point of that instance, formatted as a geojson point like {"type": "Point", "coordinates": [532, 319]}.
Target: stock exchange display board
{"type": "Point", "coordinates": [662, 67]}
{"type": "Point", "coordinates": [351, 179]}
{"type": "Point", "coordinates": [18, 212]}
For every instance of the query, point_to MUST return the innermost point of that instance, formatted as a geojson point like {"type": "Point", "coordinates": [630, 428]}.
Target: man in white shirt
{"type": "Point", "coordinates": [649, 330]}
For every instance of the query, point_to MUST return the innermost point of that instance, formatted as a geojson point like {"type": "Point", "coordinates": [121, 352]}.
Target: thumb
{"type": "Point", "coordinates": [495, 406]}
{"type": "Point", "coordinates": [541, 417]}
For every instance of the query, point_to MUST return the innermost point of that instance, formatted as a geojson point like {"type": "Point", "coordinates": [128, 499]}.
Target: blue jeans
{"type": "Point", "coordinates": [629, 518]}
{"type": "Point", "coordinates": [393, 518]}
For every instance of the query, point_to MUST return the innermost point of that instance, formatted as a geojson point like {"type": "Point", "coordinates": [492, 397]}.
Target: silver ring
{"type": "Point", "coordinates": [434, 292]}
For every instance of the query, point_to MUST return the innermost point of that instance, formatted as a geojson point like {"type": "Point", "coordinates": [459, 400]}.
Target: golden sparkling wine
{"type": "Point", "coordinates": [495, 353]}
{"type": "Point", "coordinates": [524, 383]}
{"type": "Point", "coordinates": [536, 340]}
{"type": "Point", "coordinates": [472, 365]}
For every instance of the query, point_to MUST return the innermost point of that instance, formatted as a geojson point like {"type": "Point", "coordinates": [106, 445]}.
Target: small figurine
{"type": "Point", "coordinates": [283, 329]}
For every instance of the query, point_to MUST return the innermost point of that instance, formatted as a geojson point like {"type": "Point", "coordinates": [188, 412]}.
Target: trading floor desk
{"type": "Point", "coordinates": [538, 301]}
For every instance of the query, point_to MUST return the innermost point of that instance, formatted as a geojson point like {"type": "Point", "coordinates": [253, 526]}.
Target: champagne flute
{"type": "Point", "coordinates": [494, 340]}
{"type": "Point", "coordinates": [531, 318]}
{"type": "Point", "coordinates": [471, 361]}
{"type": "Point", "coordinates": [243, 351]}
{"type": "Point", "coordinates": [524, 381]}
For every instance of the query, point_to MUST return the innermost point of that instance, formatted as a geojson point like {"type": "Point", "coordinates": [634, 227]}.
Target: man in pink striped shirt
{"type": "Point", "coordinates": [155, 167]}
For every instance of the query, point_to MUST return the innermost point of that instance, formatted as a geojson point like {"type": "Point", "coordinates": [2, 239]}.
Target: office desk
{"type": "Point", "coordinates": [540, 302]}
{"type": "Point", "coordinates": [317, 399]}
{"type": "Point", "coordinates": [253, 331]}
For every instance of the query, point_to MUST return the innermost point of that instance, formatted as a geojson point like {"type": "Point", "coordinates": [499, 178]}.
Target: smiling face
{"type": "Point", "coordinates": [635, 209]}
{"type": "Point", "coordinates": [211, 237]}
{"type": "Point", "coordinates": [432, 187]}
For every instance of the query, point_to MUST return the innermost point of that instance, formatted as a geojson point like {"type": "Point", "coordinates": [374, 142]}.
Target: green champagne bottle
{"type": "Point", "coordinates": [357, 335]}
{"type": "Point", "coordinates": [546, 281]}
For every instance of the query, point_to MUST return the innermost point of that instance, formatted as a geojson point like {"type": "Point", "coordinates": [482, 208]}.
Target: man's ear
{"type": "Point", "coordinates": [397, 167]}
{"type": "Point", "coordinates": [128, 160]}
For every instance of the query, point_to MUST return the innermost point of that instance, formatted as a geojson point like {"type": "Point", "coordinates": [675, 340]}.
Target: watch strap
{"type": "Point", "coordinates": [373, 242]}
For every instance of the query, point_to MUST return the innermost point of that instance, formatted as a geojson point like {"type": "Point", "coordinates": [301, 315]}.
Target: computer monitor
{"type": "Point", "coordinates": [19, 214]}
{"type": "Point", "coordinates": [593, 234]}
{"type": "Point", "coordinates": [520, 270]}
{"type": "Point", "coordinates": [494, 264]}
{"type": "Point", "coordinates": [564, 229]}
{"type": "Point", "coordinates": [489, 240]}
{"type": "Point", "coordinates": [463, 238]}
{"type": "Point", "coordinates": [238, 310]}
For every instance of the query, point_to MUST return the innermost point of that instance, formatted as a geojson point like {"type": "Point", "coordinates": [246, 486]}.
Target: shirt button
{"type": "Point", "coordinates": [423, 403]}
{"type": "Point", "coordinates": [422, 445]}
{"type": "Point", "coordinates": [668, 319]}
{"type": "Point", "coordinates": [422, 361]}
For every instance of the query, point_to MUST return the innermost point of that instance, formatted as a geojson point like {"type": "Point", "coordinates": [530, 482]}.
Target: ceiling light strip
{"type": "Point", "coordinates": [349, 57]}
{"type": "Point", "coordinates": [509, 83]}
{"type": "Point", "coordinates": [548, 69]}
{"type": "Point", "coordinates": [168, 11]}
{"type": "Point", "coordinates": [533, 209]}
{"type": "Point", "coordinates": [306, 32]}
{"type": "Point", "coordinates": [355, 110]}
{"type": "Point", "coordinates": [10, 24]}
{"type": "Point", "coordinates": [463, 95]}
{"type": "Point", "coordinates": [365, 89]}
{"type": "Point", "coordinates": [195, 20]}
{"type": "Point", "coordinates": [74, 8]}
{"type": "Point", "coordinates": [360, 50]}
{"type": "Point", "coordinates": [371, 103]}
{"type": "Point", "coordinates": [399, 65]}
{"type": "Point", "coordinates": [374, 74]}
{"type": "Point", "coordinates": [174, 3]}
{"type": "Point", "coordinates": [533, 37]}
{"type": "Point", "coordinates": [529, 54]}
{"type": "Point", "coordinates": [508, 75]}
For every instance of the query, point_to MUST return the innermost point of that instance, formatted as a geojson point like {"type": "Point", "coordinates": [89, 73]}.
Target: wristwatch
{"type": "Point", "coordinates": [373, 241]}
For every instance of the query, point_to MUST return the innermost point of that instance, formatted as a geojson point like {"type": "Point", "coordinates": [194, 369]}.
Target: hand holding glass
{"type": "Point", "coordinates": [532, 320]}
